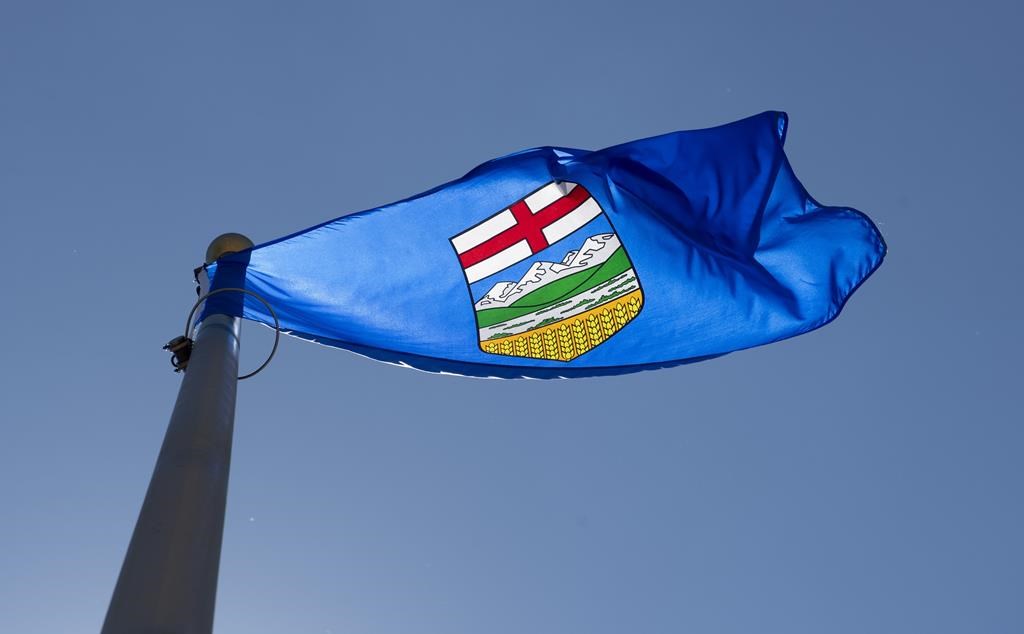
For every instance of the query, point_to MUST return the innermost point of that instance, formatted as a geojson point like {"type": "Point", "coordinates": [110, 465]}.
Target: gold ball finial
{"type": "Point", "coordinates": [227, 243]}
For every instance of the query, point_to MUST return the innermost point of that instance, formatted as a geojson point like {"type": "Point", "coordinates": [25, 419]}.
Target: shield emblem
{"type": "Point", "coordinates": [548, 276]}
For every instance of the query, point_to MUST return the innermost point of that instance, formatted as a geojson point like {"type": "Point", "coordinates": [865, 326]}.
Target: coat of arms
{"type": "Point", "coordinates": [548, 276]}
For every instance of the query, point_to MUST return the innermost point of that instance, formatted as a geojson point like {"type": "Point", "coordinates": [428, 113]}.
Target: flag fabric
{"type": "Point", "coordinates": [564, 262]}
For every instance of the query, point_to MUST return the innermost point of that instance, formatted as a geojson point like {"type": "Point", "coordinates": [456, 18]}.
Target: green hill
{"type": "Point", "coordinates": [557, 291]}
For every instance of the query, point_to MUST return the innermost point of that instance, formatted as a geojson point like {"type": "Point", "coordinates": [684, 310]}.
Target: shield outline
{"type": "Point", "coordinates": [607, 330]}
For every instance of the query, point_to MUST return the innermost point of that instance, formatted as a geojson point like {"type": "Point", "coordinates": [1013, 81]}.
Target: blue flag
{"type": "Point", "coordinates": [564, 262]}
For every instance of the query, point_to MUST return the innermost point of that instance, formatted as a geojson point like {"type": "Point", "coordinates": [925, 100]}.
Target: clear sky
{"type": "Point", "coordinates": [866, 477]}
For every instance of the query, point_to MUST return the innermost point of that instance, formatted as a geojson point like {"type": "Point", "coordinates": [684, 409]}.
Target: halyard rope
{"type": "Point", "coordinates": [277, 323]}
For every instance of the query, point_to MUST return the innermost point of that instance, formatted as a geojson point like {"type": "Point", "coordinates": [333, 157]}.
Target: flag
{"type": "Point", "coordinates": [565, 262]}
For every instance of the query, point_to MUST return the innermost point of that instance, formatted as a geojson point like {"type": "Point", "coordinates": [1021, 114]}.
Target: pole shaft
{"type": "Point", "coordinates": [168, 581]}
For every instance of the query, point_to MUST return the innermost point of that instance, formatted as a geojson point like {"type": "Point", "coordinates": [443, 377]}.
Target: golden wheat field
{"type": "Point", "coordinates": [567, 339]}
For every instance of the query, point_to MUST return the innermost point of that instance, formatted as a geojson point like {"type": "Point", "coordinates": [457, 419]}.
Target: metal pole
{"type": "Point", "coordinates": [168, 581]}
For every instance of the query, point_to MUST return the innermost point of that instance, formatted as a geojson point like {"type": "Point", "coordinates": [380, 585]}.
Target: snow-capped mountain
{"type": "Point", "coordinates": [595, 251]}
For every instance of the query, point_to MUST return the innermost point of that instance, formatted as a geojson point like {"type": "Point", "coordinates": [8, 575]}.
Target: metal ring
{"type": "Point", "coordinates": [277, 322]}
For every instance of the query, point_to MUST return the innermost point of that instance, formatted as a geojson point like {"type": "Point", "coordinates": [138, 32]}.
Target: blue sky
{"type": "Point", "coordinates": [865, 477]}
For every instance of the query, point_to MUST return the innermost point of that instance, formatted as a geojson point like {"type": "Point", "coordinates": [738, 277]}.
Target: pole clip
{"type": "Point", "coordinates": [181, 350]}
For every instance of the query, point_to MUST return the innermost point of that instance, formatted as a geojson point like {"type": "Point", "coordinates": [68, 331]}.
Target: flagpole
{"type": "Point", "coordinates": [168, 581]}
